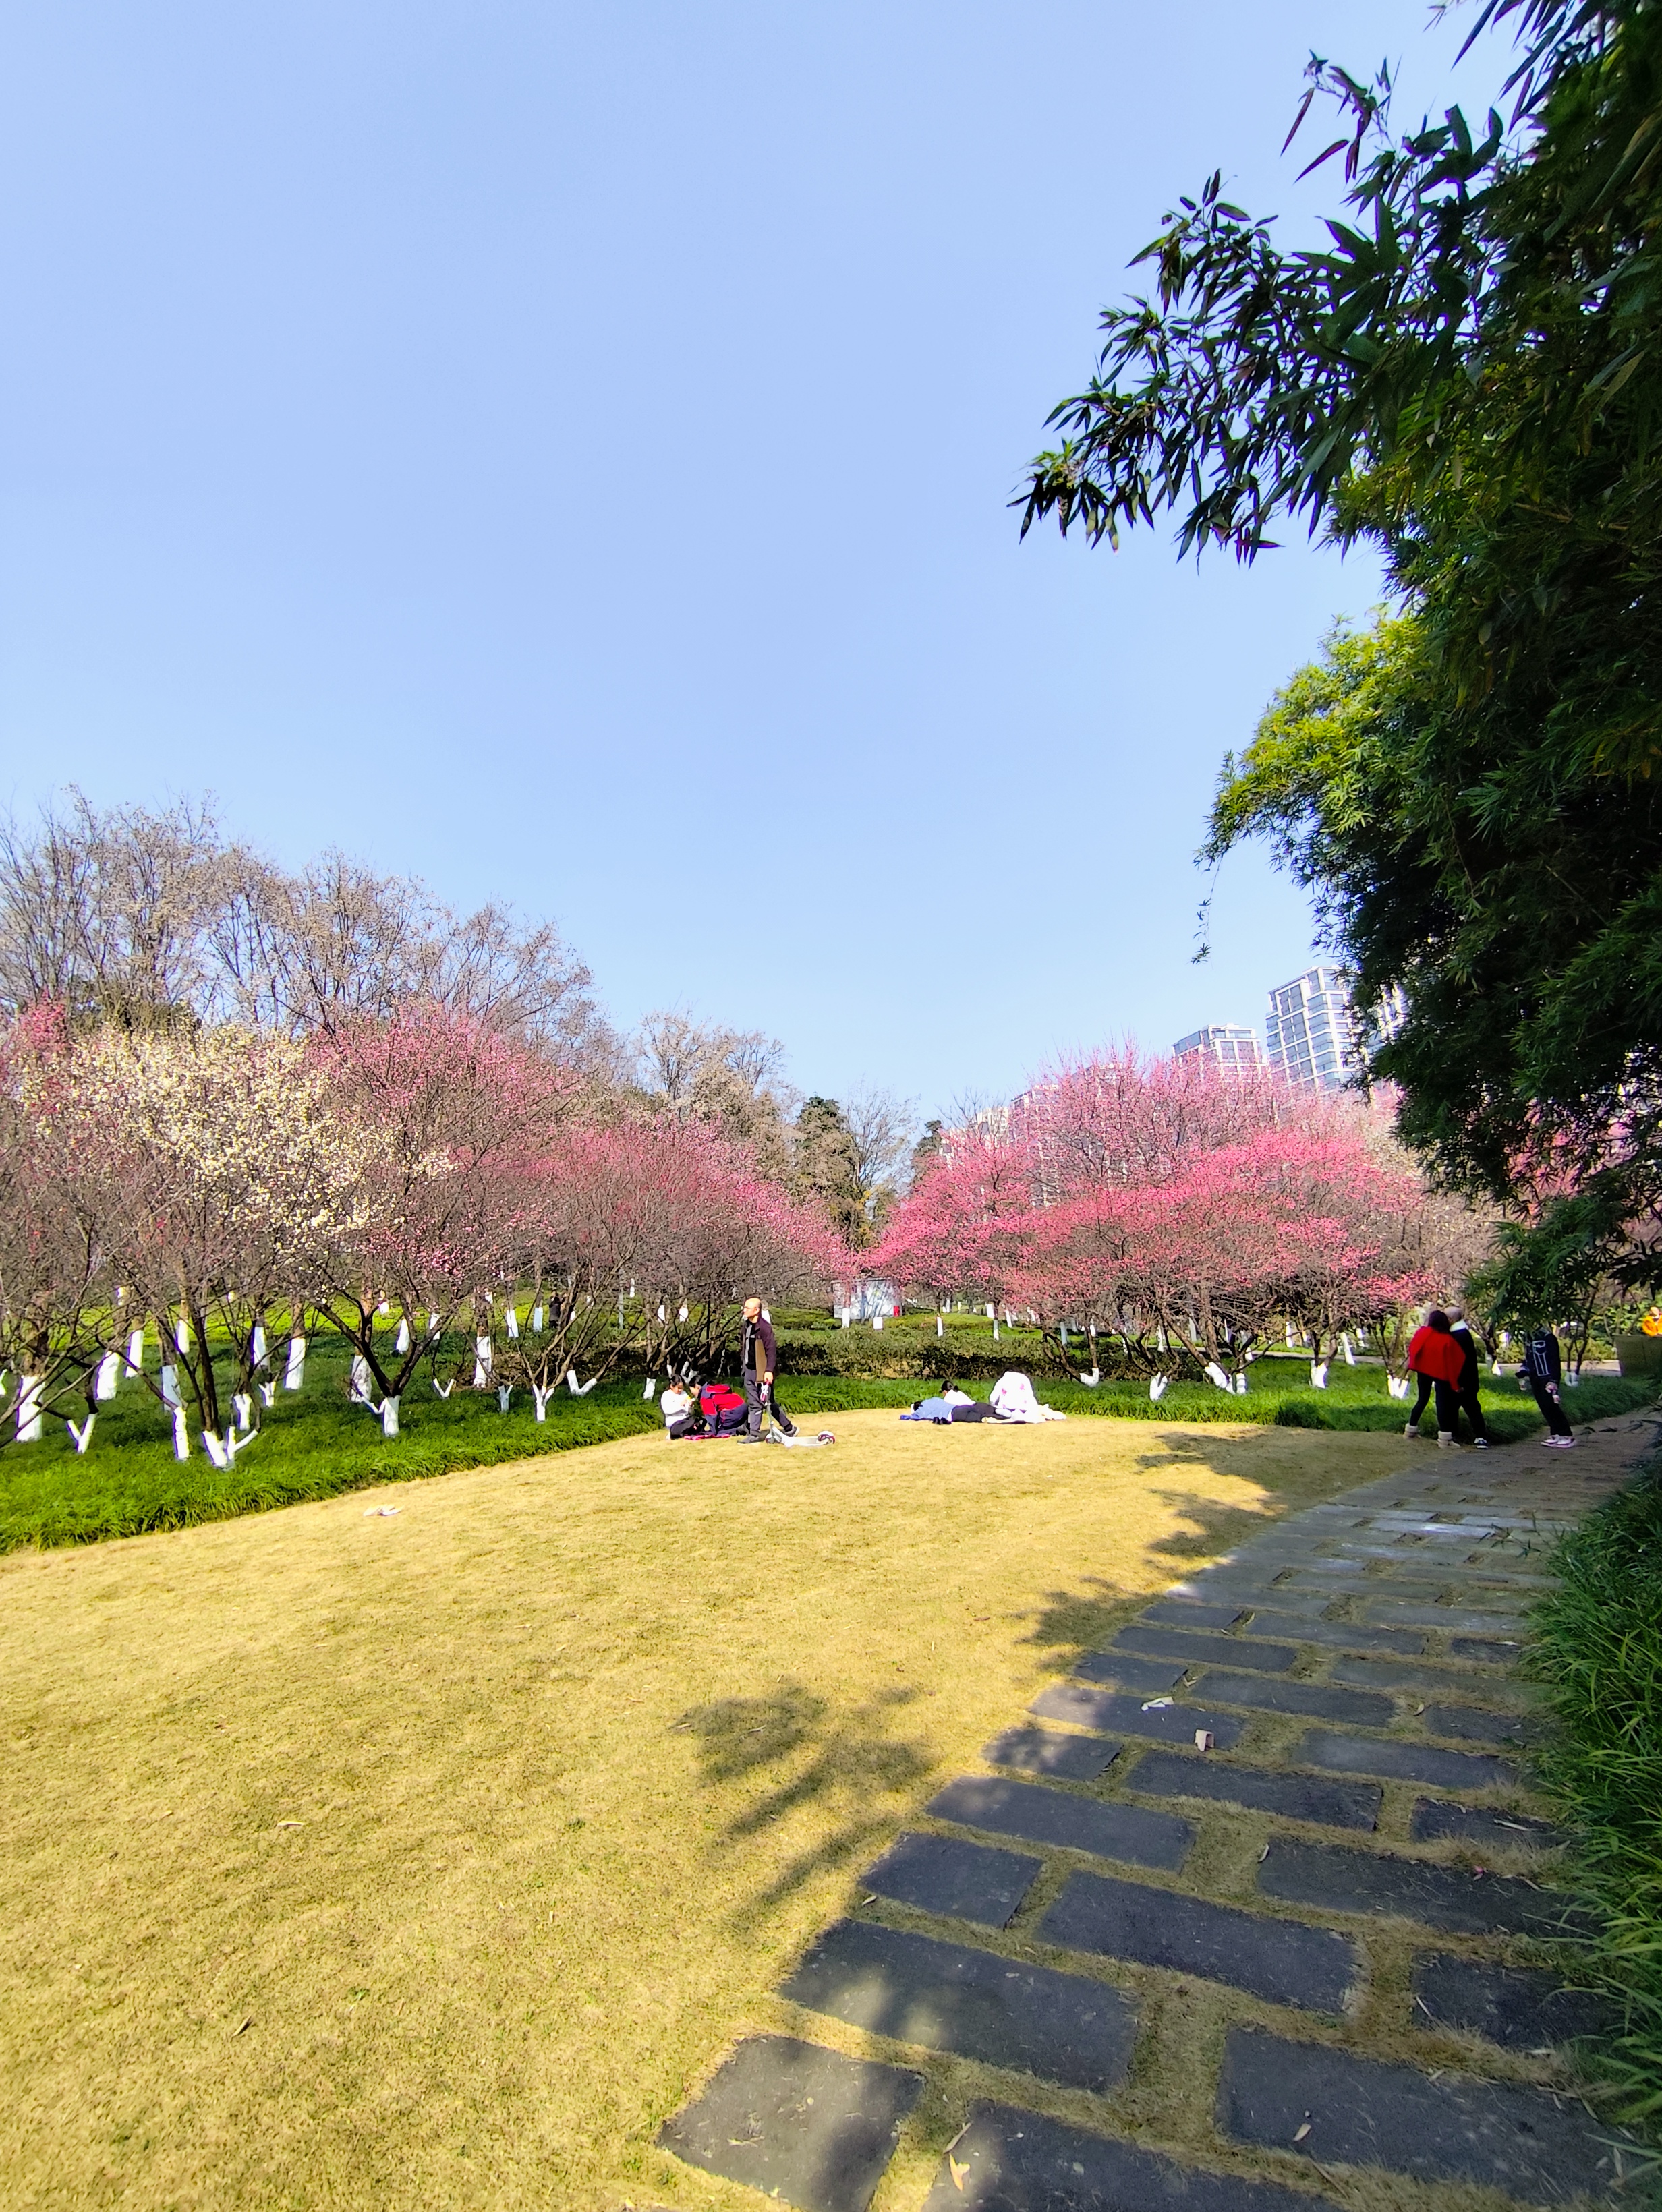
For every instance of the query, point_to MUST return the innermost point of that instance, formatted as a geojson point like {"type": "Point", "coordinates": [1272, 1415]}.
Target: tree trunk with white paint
{"type": "Point", "coordinates": [29, 1409]}
{"type": "Point", "coordinates": [389, 1416]}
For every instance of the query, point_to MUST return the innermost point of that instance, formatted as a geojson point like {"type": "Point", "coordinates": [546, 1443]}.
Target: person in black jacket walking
{"type": "Point", "coordinates": [758, 1361]}
{"type": "Point", "coordinates": [1466, 1388]}
{"type": "Point", "coordinates": [1543, 1374]}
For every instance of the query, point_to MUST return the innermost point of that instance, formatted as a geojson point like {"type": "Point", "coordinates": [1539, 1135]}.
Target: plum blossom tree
{"type": "Point", "coordinates": [670, 1209]}
{"type": "Point", "coordinates": [56, 1295]}
{"type": "Point", "coordinates": [1178, 1210]}
{"type": "Point", "coordinates": [216, 1179]}
{"type": "Point", "coordinates": [446, 1114]}
{"type": "Point", "coordinates": [966, 1228]}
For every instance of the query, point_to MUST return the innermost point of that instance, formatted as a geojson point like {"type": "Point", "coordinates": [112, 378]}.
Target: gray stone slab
{"type": "Point", "coordinates": [1495, 1651]}
{"type": "Point", "coordinates": [1317, 1701]}
{"type": "Point", "coordinates": [1475, 1725]}
{"type": "Point", "coordinates": [1009, 2161]}
{"type": "Point", "coordinates": [1106, 1710]}
{"type": "Point", "coordinates": [1306, 1605]}
{"type": "Point", "coordinates": [1432, 1820]}
{"type": "Point", "coordinates": [1453, 1899]}
{"type": "Point", "coordinates": [1447, 1682]}
{"type": "Point", "coordinates": [1199, 1651]}
{"type": "Point", "coordinates": [806, 2126]}
{"type": "Point", "coordinates": [1520, 2008]}
{"type": "Point", "coordinates": [1281, 1961]}
{"type": "Point", "coordinates": [1396, 1761]}
{"type": "Point", "coordinates": [1063, 2027]}
{"type": "Point", "coordinates": [1259, 1789]}
{"type": "Point", "coordinates": [1337, 1635]}
{"type": "Point", "coordinates": [944, 1873]}
{"type": "Point", "coordinates": [1191, 1612]}
{"type": "Point", "coordinates": [1047, 1750]}
{"type": "Point", "coordinates": [1142, 1677]}
{"type": "Point", "coordinates": [1405, 1613]}
{"type": "Point", "coordinates": [1360, 2111]}
{"type": "Point", "coordinates": [1065, 1822]}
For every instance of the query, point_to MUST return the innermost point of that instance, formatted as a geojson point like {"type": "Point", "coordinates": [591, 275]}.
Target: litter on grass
{"type": "Point", "coordinates": [381, 1512]}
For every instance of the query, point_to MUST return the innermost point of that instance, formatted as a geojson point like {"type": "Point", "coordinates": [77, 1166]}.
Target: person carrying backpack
{"type": "Point", "coordinates": [1543, 1374]}
{"type": "Point", "coordinates": [758, 1361]}
{"type": "Point", "coordinates": [1435, 1357]}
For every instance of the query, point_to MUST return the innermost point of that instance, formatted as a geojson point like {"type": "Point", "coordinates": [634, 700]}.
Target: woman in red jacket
{"type": "Point", "coordinates": [1437, 1358]}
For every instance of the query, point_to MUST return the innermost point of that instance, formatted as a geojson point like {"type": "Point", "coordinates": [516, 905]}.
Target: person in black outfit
{"type": "Point", "coordinates": [1466, 1388]}
{"type": "Point", "coordinates": [1543, 1373]}
{"type": "Point", "coordinates": [758, 1361]}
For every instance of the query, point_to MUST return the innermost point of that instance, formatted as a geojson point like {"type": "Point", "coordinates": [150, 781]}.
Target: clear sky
{"type": "Point", "coordinates": [562, 450]}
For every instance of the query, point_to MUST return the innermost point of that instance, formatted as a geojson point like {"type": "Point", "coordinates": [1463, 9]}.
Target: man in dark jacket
{"type": "Point", "coordinates": [1466, 1388]}
{"type": "Point", "coordinates": [758, 1361]}
{"type": "Point", "coordinates": [1542, 1374]}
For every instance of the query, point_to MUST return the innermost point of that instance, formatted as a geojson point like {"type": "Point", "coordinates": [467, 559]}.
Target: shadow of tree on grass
{"type": "Point", "coordinates": [848, 1764]}
{"type": "Point", "coordinates": [1214, 1527]}
{"type": "Point", "coordinates": [1071, 1622]}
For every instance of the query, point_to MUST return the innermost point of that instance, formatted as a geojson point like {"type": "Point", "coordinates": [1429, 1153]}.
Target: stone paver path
{"type": "Point", "coordinates": [1273, 1845]}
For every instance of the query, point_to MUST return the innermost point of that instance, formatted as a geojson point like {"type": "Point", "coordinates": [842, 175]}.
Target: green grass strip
{"type": "Point", "coordinates": [315, 1445]}
{"type": "Point", "coordinates": [1597, 1653]}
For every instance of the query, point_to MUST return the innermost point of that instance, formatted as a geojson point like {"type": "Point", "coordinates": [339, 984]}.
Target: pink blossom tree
{"type": "Point", "coordinates": [966, 1228]}
{"type": "Point", "coordinates": [446, 1113]}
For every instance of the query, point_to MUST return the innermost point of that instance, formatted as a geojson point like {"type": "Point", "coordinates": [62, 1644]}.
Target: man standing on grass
{"type": "Point", "coordinates": [758, 1361]}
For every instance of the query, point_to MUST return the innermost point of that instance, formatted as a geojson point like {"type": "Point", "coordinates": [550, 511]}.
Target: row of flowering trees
{"type": "Point", "coordinates": [237, 1192]}
{"type": "Point", "coordinates": [1173, 1215]}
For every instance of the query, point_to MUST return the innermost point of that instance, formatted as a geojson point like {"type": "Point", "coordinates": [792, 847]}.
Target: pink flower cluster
{"type": "Point", "coordinates": [1173, 1212]}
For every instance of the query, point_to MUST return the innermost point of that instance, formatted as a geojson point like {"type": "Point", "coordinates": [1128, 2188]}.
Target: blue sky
{"type": "Point", "coordinates": [563, 452]}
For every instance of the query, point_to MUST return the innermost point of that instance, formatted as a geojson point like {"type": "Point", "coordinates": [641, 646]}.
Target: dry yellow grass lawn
{"type": "Point", "coordinates": [425, 1861]}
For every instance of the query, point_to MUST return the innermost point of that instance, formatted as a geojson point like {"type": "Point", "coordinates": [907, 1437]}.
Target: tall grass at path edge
{"type": "Point", "coordinates": [1596, 1651]}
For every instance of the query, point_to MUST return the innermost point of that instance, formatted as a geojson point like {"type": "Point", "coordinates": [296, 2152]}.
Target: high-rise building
{"type": "Point", "coordinates": [1313, 1035]}
{"type": "Point", "coordinates": [1222, 1045]}
{"type": "Point", "coordinates": [1387, 1018]}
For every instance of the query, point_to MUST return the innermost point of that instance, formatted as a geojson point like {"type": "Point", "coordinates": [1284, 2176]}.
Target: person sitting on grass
{"type": "Point", "coordinates": [676, 1405]}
